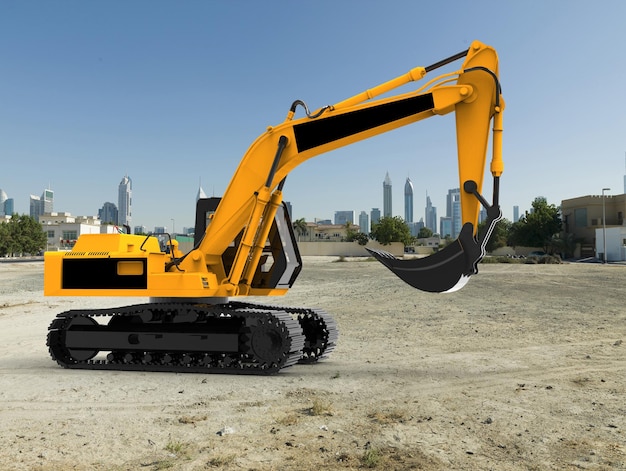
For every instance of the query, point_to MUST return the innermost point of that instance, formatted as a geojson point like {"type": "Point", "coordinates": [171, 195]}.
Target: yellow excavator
{"type": "Point", "coordinates": [245, 245]}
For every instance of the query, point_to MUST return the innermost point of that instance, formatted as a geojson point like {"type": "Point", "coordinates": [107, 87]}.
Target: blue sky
{"type": "Point", "coordinates": [172, 93]}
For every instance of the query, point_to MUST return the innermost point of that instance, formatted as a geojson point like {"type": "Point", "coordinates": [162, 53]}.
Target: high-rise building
{"type": "Point", "coordinates": [3, 198]}
{"type": "Point", "coordinates": [414, 228]}
{"type": "Point", "coordinates": [516, 213]}
{"type": "Point", "coordinates": [344, 217]}
{"type": "Point", "coordinates": [456, 216]}
{"type": "Point", "coordinates": [9, 207]}
{"type": "Point", "coordinates": [387, 211]}
{"type": "Point", "coordinates": [35, 207]}
{"type": "Point", "coordinates": [364, 222]}
{"type": "Point", "coordinates": [453, 211]}
{"type": "Point", "coordinates": [108, 213]}
{"type": "Point", "coordinates": [374, 216]}
{"type": "Point", "coordinates": [408, 201]}
{"type": "Point", "coordinates": [445, 227]}
{"type": "Point", "coordinates": [124, 202]}
{"type": "Point", "coordinates": [6, 204]}
{"type": "Point", "coordinates": [430, 215]}
{"type": "Point", "coordinates": [40, 205]}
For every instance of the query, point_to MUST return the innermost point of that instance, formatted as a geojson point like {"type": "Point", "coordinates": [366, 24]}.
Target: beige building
{"type": "Point", "coordinates": [63, 229]}
{"type": "Point", "coordinates": [582, 217]}
{"type": "Point", "coordinates": [324, 232]}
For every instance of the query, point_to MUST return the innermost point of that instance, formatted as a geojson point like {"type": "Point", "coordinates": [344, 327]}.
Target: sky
{"type": "Point", "coordinates": [172, 93]}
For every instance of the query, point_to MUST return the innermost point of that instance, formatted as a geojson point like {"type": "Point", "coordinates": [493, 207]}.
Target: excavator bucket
{"type": "Point", "coordinates": [445, 271]}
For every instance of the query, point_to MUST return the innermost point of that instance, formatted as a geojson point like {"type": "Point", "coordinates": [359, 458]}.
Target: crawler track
{"type": "Point", "coordinates": [231, 338]}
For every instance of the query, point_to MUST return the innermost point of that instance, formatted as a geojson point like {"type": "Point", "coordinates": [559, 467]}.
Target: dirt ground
{"type": "Point", "coordinates": [523, 369]}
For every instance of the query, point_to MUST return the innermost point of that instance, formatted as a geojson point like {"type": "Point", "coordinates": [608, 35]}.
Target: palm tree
{"type": "Point", "coordinates": [299, 225]}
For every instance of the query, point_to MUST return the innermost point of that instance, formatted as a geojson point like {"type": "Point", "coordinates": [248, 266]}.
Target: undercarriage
{"type": "Point", "coordinates": [228, 338]}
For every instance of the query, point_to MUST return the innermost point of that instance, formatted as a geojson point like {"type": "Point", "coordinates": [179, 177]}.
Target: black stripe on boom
{"type": "Point", "coordinates": [322, 131]}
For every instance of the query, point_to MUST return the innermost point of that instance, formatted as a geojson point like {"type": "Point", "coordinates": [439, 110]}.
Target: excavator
{"type": "Point", "coordinates": [196, 318]}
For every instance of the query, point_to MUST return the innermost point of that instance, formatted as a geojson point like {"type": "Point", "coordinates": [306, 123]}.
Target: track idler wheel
{"type": "Point", "coordinates": [56, 336]}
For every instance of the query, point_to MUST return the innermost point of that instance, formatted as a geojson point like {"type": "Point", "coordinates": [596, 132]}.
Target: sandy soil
{"type": "Point", "coordinates": [523, 369]}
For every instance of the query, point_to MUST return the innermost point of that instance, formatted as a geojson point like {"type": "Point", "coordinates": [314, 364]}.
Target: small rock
{"type": "Point", "coordinates": [324, 428]}
{"type": "Point", "coordinates": [617, 343]}
{"type": "Point", "coordinates": [488, 421]}
{"type": "Point", "coordinates": [225, 431]}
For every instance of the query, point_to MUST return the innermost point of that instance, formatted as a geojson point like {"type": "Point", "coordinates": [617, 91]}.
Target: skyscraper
{"type": "Point", "coordinates": [6, 204]}
{"type": "Point", "coordinates": [387, 212]}
{"type": "Point", "coordinates": [430, 215]}
{"type": "Point", "coordinates": [108, 213]}
{"type": "Point", "coordinates": [364, 222]}
{"type": "Point", "coordinates": [453, 211]}
{"type": "Point", "coordinates": [344, 217]}
{"type": "Point", "coordinates": [445, 227]}
{"type": "Point", "coordinates": [374, 216]}
{"type": "Point", "coordinates": [9, 207]}
{"type": "Point", "coordinates": [40, 205]}
{"type": "Point", "coordinates": [124, 202]}
{"type": "Point", "coordinates": [3, 198]}
{"type": "Point", "coordinates": [408, 201]}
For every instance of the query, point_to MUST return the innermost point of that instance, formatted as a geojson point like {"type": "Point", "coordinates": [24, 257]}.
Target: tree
{"type": "Point", "coordinates": [21, 235]}
{"type": "Point", "coordinates": [391, 229]}
{"type": "Point", "coordinates": [5, 241]}
{"type": "Point", "coordinates": [355, 236]}
{"type": "Point", "coordinates": [424, 233]}
{"type": "Point", "coordinates": [499, 236]}
{"type": "Point", "coordinates": [299, 225]}
{"type": "Point", "coordinates": [537, 228]}
{"type": "Point", "coordinates": [33, 238]}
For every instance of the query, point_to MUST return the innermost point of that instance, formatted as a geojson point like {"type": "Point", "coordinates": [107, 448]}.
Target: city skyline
{"type": "Point", "coordinates": [105, 208]}
{"type": "Point", "coordinates": [108, 212]}
{"type": "Point", "coordinates": [449, 224]}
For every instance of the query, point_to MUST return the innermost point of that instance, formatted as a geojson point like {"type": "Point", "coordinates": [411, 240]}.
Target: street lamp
{"type": "Point", "coordinates": [604, 224]}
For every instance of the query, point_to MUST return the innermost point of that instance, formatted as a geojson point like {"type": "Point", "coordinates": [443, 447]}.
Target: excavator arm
{"type": "Point", "coordinates": [255, 191]}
